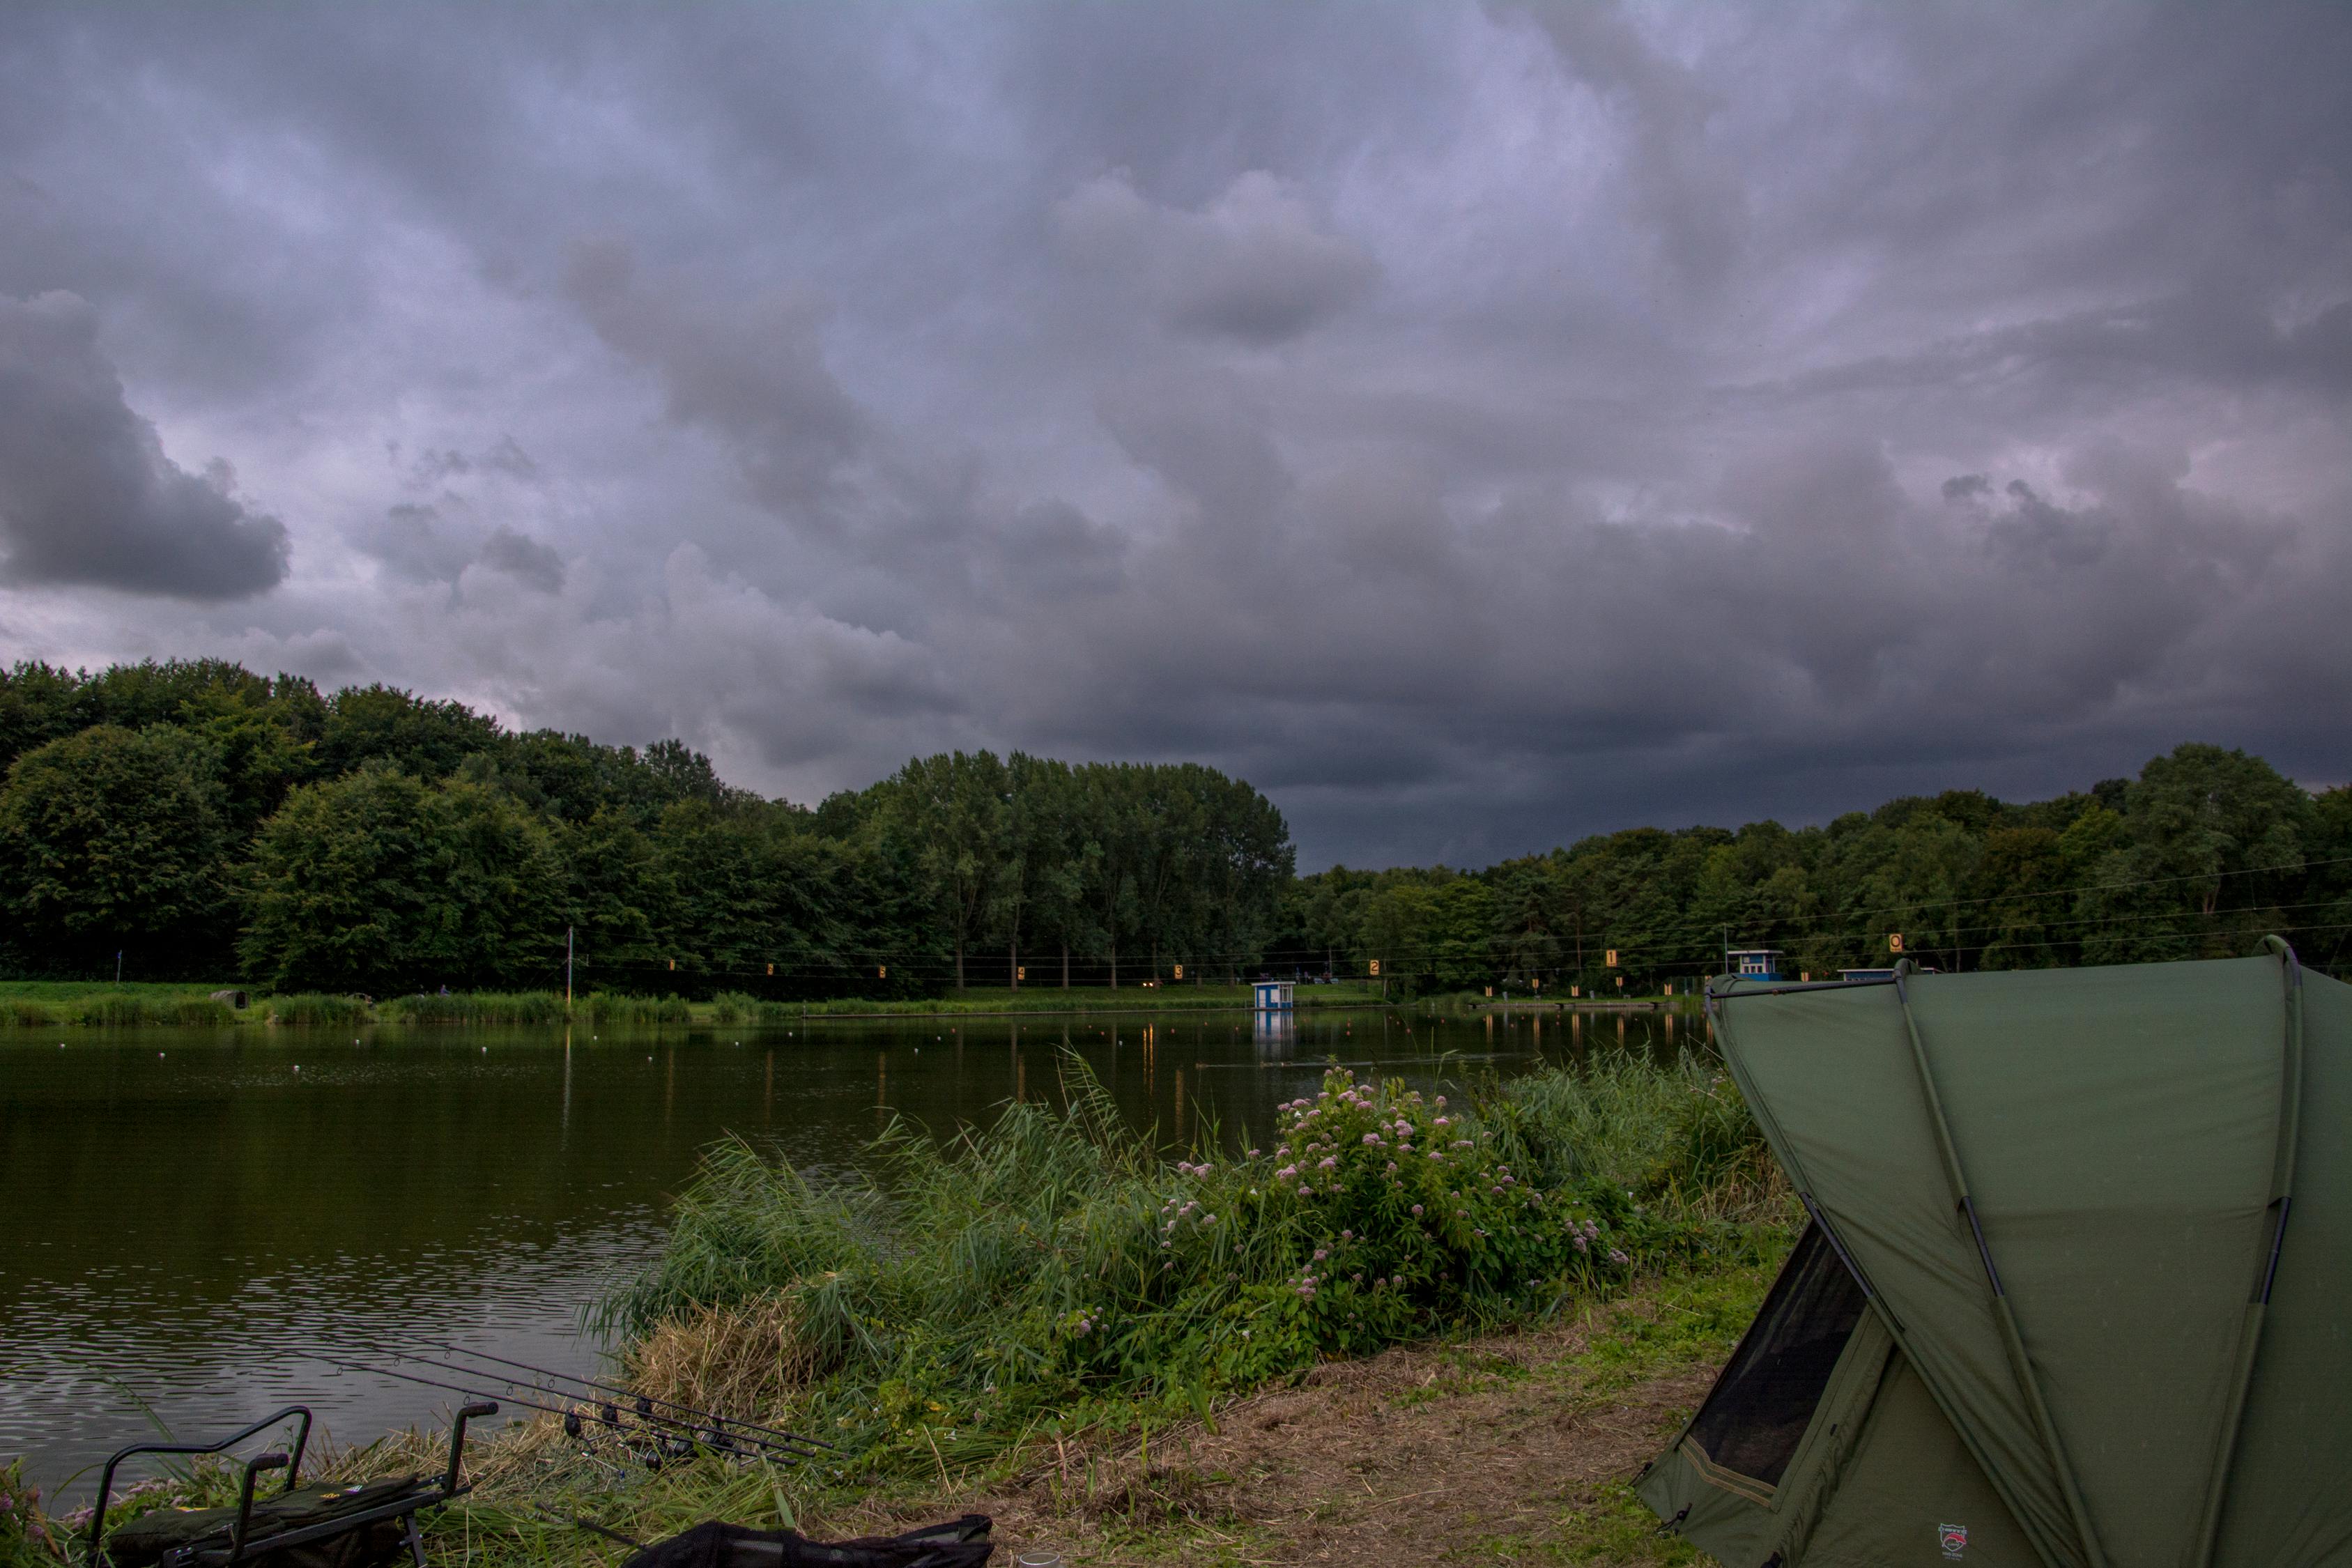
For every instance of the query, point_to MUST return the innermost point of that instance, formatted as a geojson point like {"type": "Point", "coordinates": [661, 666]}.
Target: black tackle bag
{"type": "Point", "coordinates": [959, 1543]}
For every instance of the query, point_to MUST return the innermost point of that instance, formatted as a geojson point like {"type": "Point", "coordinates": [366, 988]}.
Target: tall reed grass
{"type": "Point", "coordinates": [473, 1007]}
{"type": "Point", "coordinates": [606, 1007]}
{"type": "Point", "coordinates": [114, 1009]}
{"type": "Point", "coordinates": [1052, 1266]}
{"type": "Point", "coordinates": [305, 1009]}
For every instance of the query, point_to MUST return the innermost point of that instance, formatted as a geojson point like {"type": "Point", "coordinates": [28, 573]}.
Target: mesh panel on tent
{"type": "Point", "coordinates": [1760, 1406]}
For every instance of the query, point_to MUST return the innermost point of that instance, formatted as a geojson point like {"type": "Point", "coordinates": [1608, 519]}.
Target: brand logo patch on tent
{"type": "Point", "coordinates": [1953, 1539]}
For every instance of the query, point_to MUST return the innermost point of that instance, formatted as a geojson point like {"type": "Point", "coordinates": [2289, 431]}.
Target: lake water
{"type": "Point", "coordinates": [184, 1215]}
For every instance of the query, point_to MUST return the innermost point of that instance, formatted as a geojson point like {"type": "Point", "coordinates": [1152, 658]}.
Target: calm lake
{"type": "Point", "coordinates": [189, 1213]}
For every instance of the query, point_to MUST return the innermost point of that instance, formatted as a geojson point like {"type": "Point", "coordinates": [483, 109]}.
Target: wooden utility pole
{"type": "Point", "coordinates": [567, 972]}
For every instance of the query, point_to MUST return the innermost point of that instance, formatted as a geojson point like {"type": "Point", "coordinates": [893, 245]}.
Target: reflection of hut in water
{"type": "Point", "coordinates": [1274, 1033]}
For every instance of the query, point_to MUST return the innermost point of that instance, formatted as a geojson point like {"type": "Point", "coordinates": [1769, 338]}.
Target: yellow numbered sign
{"type": "Point", "coordinates": [1180, 971]}
{"type": "Point", "coordinates": [1895, 941]}
{"type": "Point", "coordinates": [1021, 971]}
{"type": "Point", "coordinates": [882, 972]}
{"type": "Point", "coordinates": [1376, 966]}
{"type": "Point", "coordinates": [1612, 960]}
{"type": "Point", "coordinates": [771, 969]}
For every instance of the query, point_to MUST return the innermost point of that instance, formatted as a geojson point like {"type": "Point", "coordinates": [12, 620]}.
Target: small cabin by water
{"type": "Point", "coordinates": [1275, 995]}
{"type": "Point", "coordinates": [1755, 962]}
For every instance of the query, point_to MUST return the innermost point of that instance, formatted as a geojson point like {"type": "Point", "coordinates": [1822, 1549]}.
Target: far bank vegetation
{"type": "Point", "coordinates": [195, 822]}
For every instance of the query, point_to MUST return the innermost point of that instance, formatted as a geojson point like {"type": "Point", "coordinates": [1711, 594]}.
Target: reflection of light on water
{"type": "Point", "coordinates": [1273, 1034]}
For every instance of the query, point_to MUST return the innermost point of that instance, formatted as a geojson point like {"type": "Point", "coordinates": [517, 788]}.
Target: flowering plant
{"type": "Point", "coordinates": [24, 1532]}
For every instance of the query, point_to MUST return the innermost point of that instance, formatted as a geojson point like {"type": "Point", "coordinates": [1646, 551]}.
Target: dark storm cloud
{"type": "Point", "coordinates": [524, 559]}
{"type": "Point", "coordinates": [86, 495]}
{"type": "Point", "coordinates": [750, 370]}
{"type": "Point", "coordinates": [1254, 266]}
{"type": "Point", "coordinates": [1480, 424]}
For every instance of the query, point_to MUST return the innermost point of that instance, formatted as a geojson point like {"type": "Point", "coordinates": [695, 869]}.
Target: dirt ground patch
{"type": "Point", "coordinates": [1518, 1447]}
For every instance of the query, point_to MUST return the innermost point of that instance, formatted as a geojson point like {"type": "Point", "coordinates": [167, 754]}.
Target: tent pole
{"type": "Point", "coordinates": [2011, 1339]}
{"type": "Point", "coordinates": [2250, 1331]}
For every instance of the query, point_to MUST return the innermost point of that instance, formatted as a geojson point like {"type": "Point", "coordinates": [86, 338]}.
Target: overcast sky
{"type": "Point", "coordinates": [1476, 425]}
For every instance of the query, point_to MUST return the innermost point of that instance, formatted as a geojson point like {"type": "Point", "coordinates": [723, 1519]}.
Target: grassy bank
{"type": "Point", "coordinates": [1045, 1319]}
{"type": "Point", "coordinates": [1051, 1269]}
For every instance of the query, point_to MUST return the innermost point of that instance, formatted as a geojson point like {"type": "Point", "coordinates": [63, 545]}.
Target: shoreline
{"type": "Point", "coordinates": [71, 1005]}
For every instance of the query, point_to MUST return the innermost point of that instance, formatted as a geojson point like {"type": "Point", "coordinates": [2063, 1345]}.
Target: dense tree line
{"type": "Point", "coordinates": [2198, 856]}
{"type": "Point", "coordinates": [202, 820]}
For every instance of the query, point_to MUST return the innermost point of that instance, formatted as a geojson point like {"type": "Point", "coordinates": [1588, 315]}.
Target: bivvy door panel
{"type": "Point", "coordinates": [1746, 1473]}
{"type": "Point", "coordinates": [1759, 1411]}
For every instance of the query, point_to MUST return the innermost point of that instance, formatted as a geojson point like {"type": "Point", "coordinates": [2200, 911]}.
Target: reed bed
{"type": "Point", "coordinates": [473, 1007]}
{"type": "Point", "coordinates": [114, 1009]}
{"type": "Point", "coordinates": [608, 1007]}
{"type": "Point", "coordinates": [315, 1009]}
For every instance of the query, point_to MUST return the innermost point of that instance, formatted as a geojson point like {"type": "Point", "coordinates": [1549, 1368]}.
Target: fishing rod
{"type": "Point", "coordinates": [642, 1399]}
{"type": "Point", "coordinates": [717, 1427]}
{"type": "Point", "coordinates": [573, 1420]}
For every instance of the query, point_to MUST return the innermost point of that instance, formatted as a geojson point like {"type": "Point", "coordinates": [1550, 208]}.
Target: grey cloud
{"type": "Point", "coordinates": [528, 561]}
{"type": "Point", "coordinates": [752, 372]}
{"type": "Point", "coordinates": [1253, 265]}
{"type": "Point", "coordinates": [504, 457]}
{"type": "Point", "coordinates": [412, 541]}
{"type": "Point", "coordinates": [88, 496]}
{"type": "Point", "coordinates": [436, 544]}
{"type": "Point", "coordinates": [1685, 188]}
{"type": "Point", "coordinates": [1485, 423]}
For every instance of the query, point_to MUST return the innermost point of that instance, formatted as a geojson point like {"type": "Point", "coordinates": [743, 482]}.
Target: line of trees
{"type": "Point", "coordinates": [201, 820]}
{"type": "Point", "coordinates": [2202, 853]}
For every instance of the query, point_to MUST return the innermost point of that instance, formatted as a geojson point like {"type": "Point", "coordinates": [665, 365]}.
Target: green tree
{"type": "Point", "coordinates": [950, 816]}
{"type": "Point", "coordinates": [114, 839]}
{"type": "Point", "coordinates": [382, 882]}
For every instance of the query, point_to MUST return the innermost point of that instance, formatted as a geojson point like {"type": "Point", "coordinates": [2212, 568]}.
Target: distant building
{"type": "Point", "coordinates": [1755, 962]}
{"type": "Point", "coordinates": [1865, 974]}
{"type": "Point", "coordinates": [1273, 995]}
